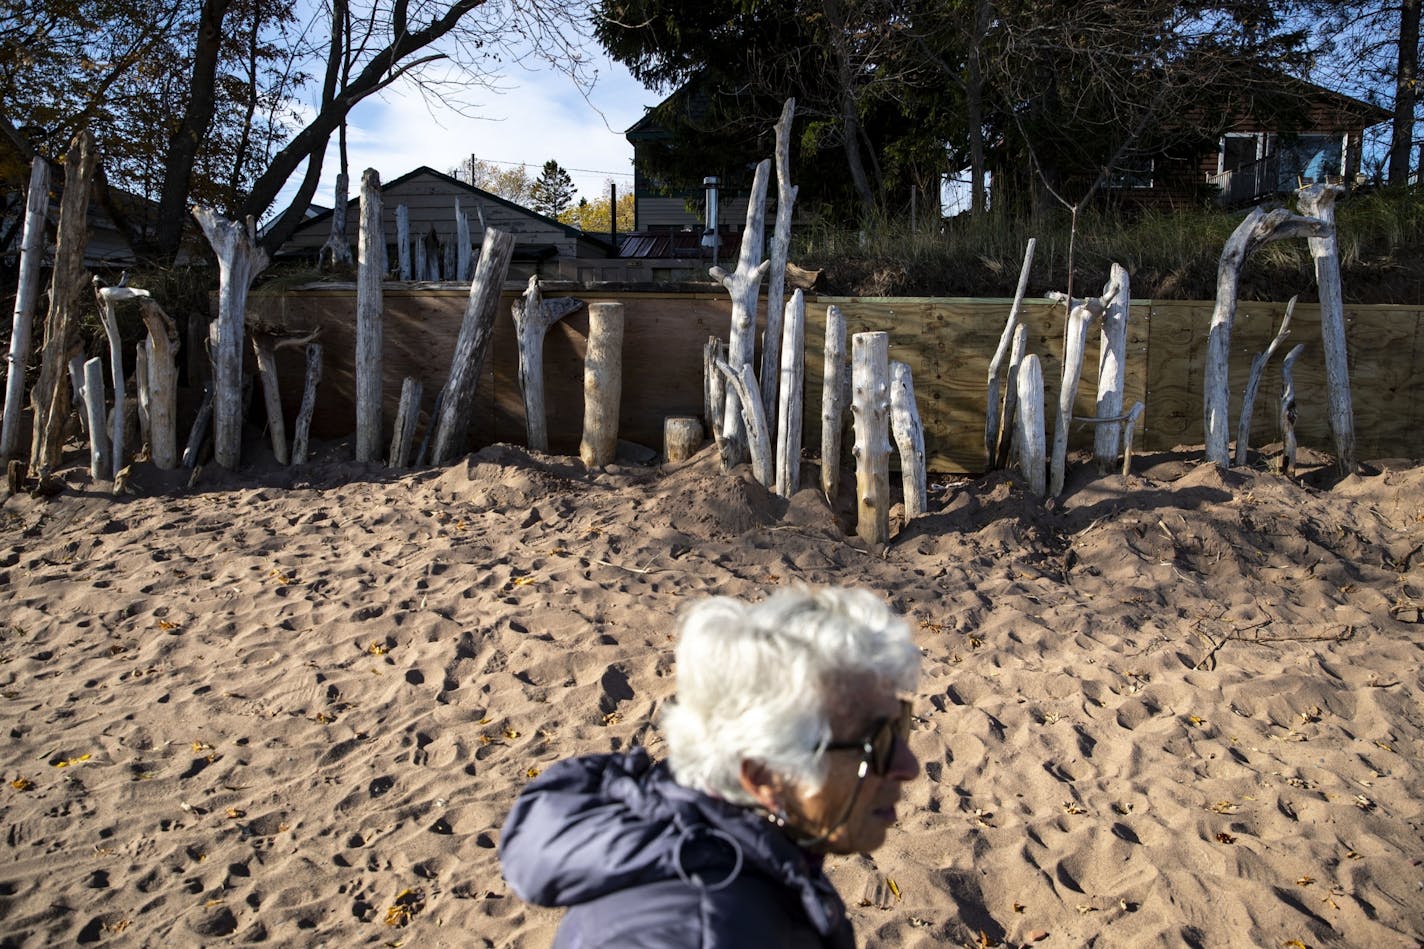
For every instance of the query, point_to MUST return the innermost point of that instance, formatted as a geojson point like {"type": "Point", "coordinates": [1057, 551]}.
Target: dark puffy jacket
{"type": "Point", "coordinates": [642, 861]}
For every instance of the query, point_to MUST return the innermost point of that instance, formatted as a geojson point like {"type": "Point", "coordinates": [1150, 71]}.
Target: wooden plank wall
{"type": "Point", "coordinates": [947, 344]}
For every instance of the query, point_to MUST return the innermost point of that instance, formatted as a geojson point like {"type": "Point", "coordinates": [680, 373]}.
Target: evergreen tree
{"type": "Point", "coordinates": [553, 191]}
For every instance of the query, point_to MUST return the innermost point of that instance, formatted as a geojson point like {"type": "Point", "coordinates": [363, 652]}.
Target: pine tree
{"type": "Point", "coordinates": [553, 191]}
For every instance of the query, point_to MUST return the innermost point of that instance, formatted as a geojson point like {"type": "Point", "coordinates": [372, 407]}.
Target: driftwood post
{"type": "Point", "coordinates": [1128, 427]}
{"type": "Point", "coordinates": [870, 406]}
{"type": "Point", "coordinates": [742, 382]}
{"type": "Point", "coordinates": [715, 391]}
{"type": "Point", "coordinates": [100, 461]}
{"type": "Point", "coordinates": [108, 298]}
{"type": "Point", "coordinates": [145, 431]}
{"type": "Point", "coordinates": [1258, 228]}
{"type": "Point", "coordinates": [1030, 424]}
{"type": "Point", "coordinates": [199, 432]}
{"type": "Point", "coordinates": [833, 404]}
{"type": "Point", "coordinates": [1112, 357]}
{"type": "Point", "coordinates": [239, 261]}
{"type": "Point", "coordinates": [406, 418]}
{"type": "Point", "coordinates": [742, 285]}
{"type": "Point", "coordinates": [26, 293]}
{"type": "Point", "coordinates": [1288, 409]}
{"type": "Point", "coordinates": [462, 244]}
{"type": "Point", "coordinates": [337, 249]}
{"type": "Point", "coordinates": [682, 437]}
{"type": "Point", "coordinates": [262, 345]}
{"type": "Point", "coordinates": [998, 413]}
{"type": "Point", "coordinates": [418, 249]}
{"type": "Point", "coordinates": [1008, 431]}
{"type": "Point", "coordinates": [602, 384]}
{"type": "Point", "coordinates": [1253, 383]}
{"type": "Point", "coordinates": [533, 315]}
{"type": "Point", "coordinates": [304, 415]}
{"type": "Point", "coordinates": [1080, 321]}
{"type": "Point", "coordinates": [909, 439]}
{"type": "Point", "coordinates": [1318, 201]}
{"type": "Point", "coordinates": [772, 335]}
{"type": "Point", "coordinates": [160, 352]}
{"type": "Point", "coordinates": [793, 376]}
{"type": "Point", "coordinates": [453, 431]}
{"type": "Point", "coordinates": [76, 392]}
{"type": "Point", "coordinates": [403, 240]}
{"type": "Point", "coordinates": [371, 269]}
{"type": "Point", "coordinates": [50, 397]}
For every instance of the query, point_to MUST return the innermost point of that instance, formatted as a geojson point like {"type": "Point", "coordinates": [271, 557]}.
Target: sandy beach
{"type": "Point", "coordinates": [293, 705]}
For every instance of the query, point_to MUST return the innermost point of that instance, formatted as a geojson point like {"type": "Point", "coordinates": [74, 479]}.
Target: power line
{"type": "Point", "coordinates": [525, 164]}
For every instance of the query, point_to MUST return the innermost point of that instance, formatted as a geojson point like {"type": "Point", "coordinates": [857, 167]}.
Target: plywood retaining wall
{"type": "Point", "coordinates": [946, 342]}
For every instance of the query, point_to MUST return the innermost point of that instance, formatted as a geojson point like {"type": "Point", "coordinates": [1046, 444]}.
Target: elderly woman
{"type": "Point", "coordinates": [786, 742]}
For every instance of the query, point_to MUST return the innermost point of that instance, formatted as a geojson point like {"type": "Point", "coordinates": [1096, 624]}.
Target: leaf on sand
{"type": "Point", "coordinates": [377, 649]}
{"type": "Point", "coordinates": [406, 905]}
{"type": "Point", "coordinates": [1225, 838]}
{"type": "Point", "coordinates": [22, 784]}
{"type": "Point", "coordinates": [894, 887]}
{"type": "Point", "coordinates": [532, 773]}
{"type": "Point", "coordinates": [1073, 807]}
{"type": "Point", "coordinates": [1305, 881]}
{"type": "Point", "coordinates": [67, 762]}
{"type": "Point", "coordinates": [1294, 944]}
{"type": "Point", "coordinates": [235, 813]}
{"type": "Point", "coordinates": [523, 581]}
{"type": "Point", "coordinates": [1223, 807]}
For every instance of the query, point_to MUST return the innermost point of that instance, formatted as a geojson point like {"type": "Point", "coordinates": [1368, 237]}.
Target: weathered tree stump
{"type": "Point", "coordinates": [462, 244]}
{"type": "Point", "coordinates": [870, 407]}
{"type": "Point", "coordinates": [909, 434]}
{"type": "Point", "coordinates": [1288, 412]}
{"type": "Point", "coordinates": [533, 315]}
{"type": "Point", "coordinates": [997, 411]}
{"type": "Point", "coordinates": [682, 438]}
{"type": "Point", "coordinates": [100, 461]}
{"type": "Point", "coordinates": [160, 354]}
{"type": "Point", "coordinates": [1112, 358]}
{"type": "Point", "coordinates": [108, 298]}
{"type": "Point", "coordinates": [773, 333]}
{"type": "Point", "coordinates": [1253, 383]}
{"type": "Point", "coordinates": [741, 381]}
{"type": "Point", "coordinates": [403, 240]}
{"type": "Point", "coordinates": [1128, 428]}
{"type": "Point", "coordinates": [407, 417]}
{"type": "Point", "coordinates": [1008, 431]}
{"type": "Point", "coordinates": [452, 432]}
{"type": "Point", "coordinates": [1318, 202]}
{"type": "Point", "coordinates": [337, 249]}
{"type": "Point", "coordinates": [304, 414]}
{"type": "Point", "coordinates": [1080, 321]}
{"type": "Point", "coordinates": [833, 402]}
{"type": "Point", "coordinates": [240, 259]}
{"type": "Point", "coordinates": [370, 272]}
{"type": "Point", "coordinates": [26, 294]}
{"type": "Point", "coordinates": [1030, 425]}
{"type": "Point", "coordinates": [793, 376]}
{"type": "Point", "coordinates": [145, 432]}
{"type": "Point", "coordinates": [602, 384]}
{"type": "Point", "coordinates": [263, 346]}
{"type": "Point", "coordinates": [742, 285]}
{"type": "Point", "coordinates": [49, 396]}
{"type": "Point", "coordinates": [1258, 228]}
{"type": "Point", "coordinates": [76, 393]}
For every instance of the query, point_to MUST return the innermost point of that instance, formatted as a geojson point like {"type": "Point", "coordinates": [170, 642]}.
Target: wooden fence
{"type": "Point", "coordinates": [946, 342]}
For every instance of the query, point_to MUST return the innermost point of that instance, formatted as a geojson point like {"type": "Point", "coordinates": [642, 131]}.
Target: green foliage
{"type": "Point", "coordinates": [553, 191]}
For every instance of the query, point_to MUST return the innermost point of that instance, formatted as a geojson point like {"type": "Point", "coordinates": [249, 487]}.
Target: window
{"type": "Point", "coordinates": [1134, 171]}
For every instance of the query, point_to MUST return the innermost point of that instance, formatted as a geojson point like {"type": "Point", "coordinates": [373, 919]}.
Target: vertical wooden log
{"type": "Point", "coordinates": [145, 430]}
{"type": "Point", "coordinates": [1128, 428]}
{"type": "Point", "coordinates": [1288, 413]}
{"type": "Point", "coordinates": [50, 396]}
{"type": "Point", "coordinates": [462, 244]}
{"type": "Point", "coordinates": [424, 452]}
{"type": "Point", "coordinates": [1008, 431]}
{"type": "Point", "coordinates": [76, 393]}
{"type": "Point", "coordinates": [602, 384]}
{"type": "Point", "coordinates": [1112, 358]}
{"type": "Point", "coordinates": [682, 437]}
{"type": "Point", "coordinates": [108, 313]}
{"type": "Point", "coordinates": [420, 266]}
{"type": "Point", "coordinates": [453, 431]}
{"type": "Point", "coordinates": [262, 345]}
{"type": "Point", "coordinates": [1253, 383]}
{"type": "Point", "coordinates": [870, 407]}
{"type": "Point", "coordinates": [371, 269]}
{"type": "Point", "coordinates": [1318, 202]}
{"type": "Point", "coordinates": [909, 439]}
{"type": "Point", "coordinates": [997, 413]}
{"type": "Point", "coordinates": [833, 403]}
{"type": "Point", "coordinates": [1030, 425]}
{"type": "Point", "coordinates": [407, 416]}
{"type": "Point", "coordinates": [199, 432]}
{"type": "Point", "coordinates": [161, 349]}
{"type": "Point", "coordinates": [304, 415]}
{"type": "Point", "coordinates": [448, 259]}
{"type": "Point", "coordinates": [533, 315]}
{"type": "Point", "coordinates": [742, 382]}
{"type": "Point", "coordinates": [240, 259]}
{"type": "Point", "coordinates": [793, 375]}
{"type": "Point", "coordinates": [403, 240]}
{"type": "Point", "coordinates": [773, 334]}
{"type": "Point", "coordinates": [26, 294]}
{"type": "Point", "coordinates": [337, 249]}
{"type": "Point", "coordinates": [742, 285]}
{"type": "Point", "coordinates": [713, 385]}
{"type": "Point", "coordinates": [1080, 321]}
{"type": "Point", "coordinates": [1258, 228]}
{"type": "Point", "coordinates": [100, 461]}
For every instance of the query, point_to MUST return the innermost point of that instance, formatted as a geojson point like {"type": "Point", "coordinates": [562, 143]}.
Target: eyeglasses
{"type": "Point", "coordinates": [878, 747]}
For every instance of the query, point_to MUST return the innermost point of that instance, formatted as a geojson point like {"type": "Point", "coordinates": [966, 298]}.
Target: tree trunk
{"type": "Point", "coordinates": [26, 293]}
{"type": "Point", "coordinates": [682, 437]}
{"type": "Point", "coordinates": [533, 315]}
{"type": "Point", "coordinates": [239, 261]}
{"type": "Point", "coordinates": [995, 412]}
{"type": "Point", "coordinates": [602, 384]}
{"type": "Point", "coordinates": [1253, 382]}
{"type": "Point", "coordinates": [1112, 358]}
{"type": "Point", "coordinates": [337, 249]}
{"type": "Point", "coordinates": [1406, 93]}
{"type": "Point", "coordinates": [1258, 228]}
{"type": "Point", "coordinates": [833, 404]}
{"type": "Point", "coordinates": [407, 417]}
{"type": "Point", "coordinates": [870, 406]}
{"type": "Point", "coordinates": [742, 285]}
{"type": "Point", "coordinates": [262, 345]}
{"type": "Point", "coordinates": [304, 415]}
{"type": "Point", "coordinates": [793, 375]}
{"type": "Point", "coordinates": [100, 466]}
{"type": "Point", "coordinates": [1031, 436]}
{"type": "Point", "coordinates": [403, 240]}
{"type": "Point", "coordinates": [1318, 201]}
{"type": "Point", "coordinates": [1080, 322]}
{"type": "Point", "coordinates": [771, 362]}
{"type": "Point", "coordinates": [452, 434]}
{"type": "Point", "coordinates": [909, 438]}
{"type": "Point", "coordinates": [50, 397]}
{"type": "Point", "coordinates": [371, 270]}
{"type": "Point", "coordinates": [742, 381]}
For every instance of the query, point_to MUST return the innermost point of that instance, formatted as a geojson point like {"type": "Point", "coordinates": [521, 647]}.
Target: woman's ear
{"type": "Point", "coordinates": [761, 783]}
